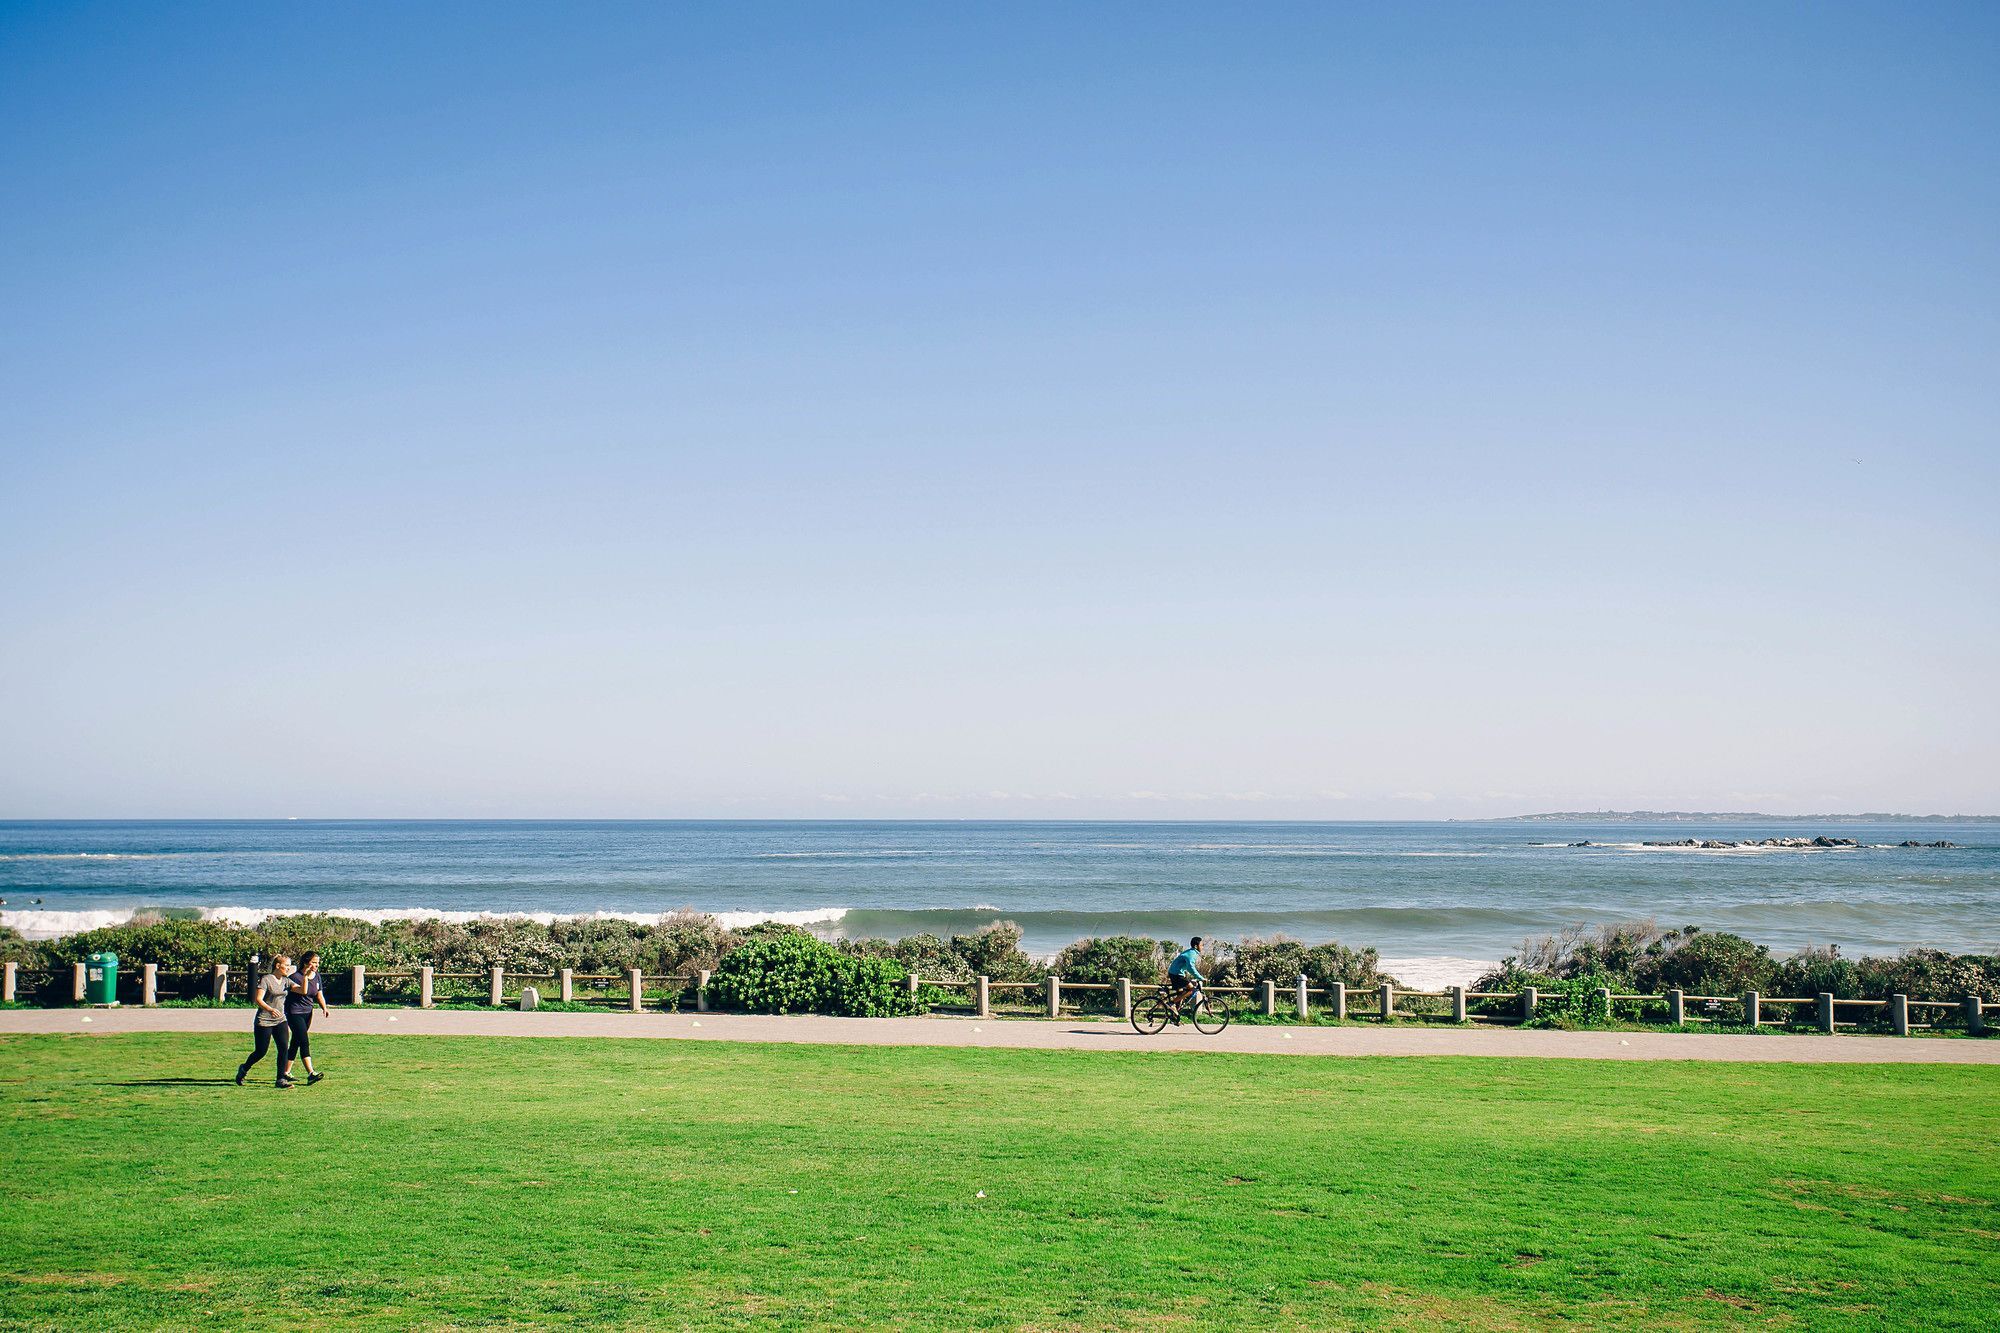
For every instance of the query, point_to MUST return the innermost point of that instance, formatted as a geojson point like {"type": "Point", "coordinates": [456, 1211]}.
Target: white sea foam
{"type": "Point", "coordinates": [1436, 971]}
{"type": "Point", "coordinates": [36, 924]}
{"type": "Point", "coordinates": [49, 925]}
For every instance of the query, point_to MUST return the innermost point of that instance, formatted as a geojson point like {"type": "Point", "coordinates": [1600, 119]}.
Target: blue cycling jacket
{"type": "Point", "coordinates": [1187, 963]}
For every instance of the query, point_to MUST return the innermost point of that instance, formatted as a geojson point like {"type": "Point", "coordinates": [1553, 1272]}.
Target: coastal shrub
{"type": "Point", "coordinates": [175, 944]}
{"type": "Point", "coordinates": [1706, 963]}
{"type": "Point", "coordinates": [870, 988]}
{"type": "Point", "coordinates": [1930, 974]}
{"type": "Point", "coordinates": [777, 974]}
{"type": "Point", "coordinates": [1112, 957]}
{"type": "Point", "coordinates": [1281, 960]}
{"type": "Point", "coordinates": [15, 949]}
{"type": "Point", "coordinates": [794, 972]}
{"type": "Point", "coordinates": [683, 944]}
{"type": "Point", "coordinates": [926, 955]}
{"type": "Point", "coordinates": [1573, 1001]}
{"type": "Point", "coordinates": [1620, 949]}
{"type": "Point", "coordinates": [995, 951]}
{"type": "Point", "coordinates": [341, 941]}
{"type": "Point", "coordinates": [1814, 970]}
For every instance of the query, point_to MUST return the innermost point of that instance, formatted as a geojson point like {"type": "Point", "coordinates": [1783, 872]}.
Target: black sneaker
{"type": "Point", "coordinates": [283, 1083]}
{"type": "Point", "coordinates": [313, 1078]}
{"type": "Point", "coordinates": [242, 1072]}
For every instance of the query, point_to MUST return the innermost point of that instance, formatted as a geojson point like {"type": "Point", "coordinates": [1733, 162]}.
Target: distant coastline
{"type": "Point", "coordinates": [1721, 817]}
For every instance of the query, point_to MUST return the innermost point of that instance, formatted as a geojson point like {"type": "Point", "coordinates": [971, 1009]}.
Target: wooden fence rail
{"type": "Point", "coordinates": [23, 985]}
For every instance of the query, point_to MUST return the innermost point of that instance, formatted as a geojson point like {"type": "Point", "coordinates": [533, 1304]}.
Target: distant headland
{"type": "Point", "coordinates": [1725, 817]}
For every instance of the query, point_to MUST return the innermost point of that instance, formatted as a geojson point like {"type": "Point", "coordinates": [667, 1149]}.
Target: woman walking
{"type": "Point", "coordinates": [271, 1028]}
{"type": "Point", "coordinates": [308, 988]}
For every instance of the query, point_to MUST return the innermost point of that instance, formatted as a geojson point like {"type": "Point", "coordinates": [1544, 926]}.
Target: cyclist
{"type": "Point", "coordinates": [1184, 973]}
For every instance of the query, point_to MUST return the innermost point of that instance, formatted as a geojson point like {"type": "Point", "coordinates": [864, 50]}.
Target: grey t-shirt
{"type": "Point", "coordinates": [275, 990]}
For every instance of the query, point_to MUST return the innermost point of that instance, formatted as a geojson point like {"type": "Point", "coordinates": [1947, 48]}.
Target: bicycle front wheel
{"type": "Point", "coordinates": [1150, 1015]}
{"type": "Point", "coordinates": [1210, 1014]}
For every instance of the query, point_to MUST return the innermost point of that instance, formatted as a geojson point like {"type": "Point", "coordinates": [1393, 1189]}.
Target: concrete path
{"type": "Point", "coordinates": [1042, 1034]}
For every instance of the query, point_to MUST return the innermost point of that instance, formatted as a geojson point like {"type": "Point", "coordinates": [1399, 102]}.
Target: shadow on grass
{"type": "Point", "coordinates": [173, 1083]}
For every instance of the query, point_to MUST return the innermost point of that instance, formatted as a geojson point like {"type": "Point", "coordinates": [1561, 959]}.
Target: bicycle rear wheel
{"type": "Point", "coordinates": [1210, 1014]}
{"type": "Point", "coordinates": [1150, 1015]}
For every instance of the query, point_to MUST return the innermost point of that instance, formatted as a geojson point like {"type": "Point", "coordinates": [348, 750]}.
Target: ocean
{"type": "Point", "coordinates": [1440, 900]}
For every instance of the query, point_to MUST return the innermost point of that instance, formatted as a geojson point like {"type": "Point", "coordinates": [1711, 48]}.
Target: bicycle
{"type": "Point", "coordinates": [1208, 1013]}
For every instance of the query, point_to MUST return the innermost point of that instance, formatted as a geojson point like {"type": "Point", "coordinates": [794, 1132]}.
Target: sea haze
{"type": "Point", "coordinates": [1439, 898]}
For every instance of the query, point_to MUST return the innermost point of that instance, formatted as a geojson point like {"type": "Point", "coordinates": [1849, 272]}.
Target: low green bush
{"type": "Point", "coordinates": [795, 973]}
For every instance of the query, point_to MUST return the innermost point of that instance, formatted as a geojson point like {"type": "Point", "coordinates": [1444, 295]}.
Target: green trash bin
{"type": "Point", "coordinates": [100, 979]}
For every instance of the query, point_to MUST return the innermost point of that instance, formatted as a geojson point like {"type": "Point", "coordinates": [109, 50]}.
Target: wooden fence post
{"type": "Point", "coordinates": [1824, 1011]}
{"type": "Point", "coordinates": [1270, 990]}
{"type": "Point", "coordinates": [1457, 1003]}
{"type": "Point", "coordinates": [149, 984]}
{"type": "Point", "coordinates": [1530, 997]}
{"type": "Point", "coordinates": [1124, 999]}
{"type": "Point", "coordinates": [79, 983]}
{"type": "Point", "coordinates": [496, 986]}
{"type": "Point", "coordinates": [425, 987]}
{"type": "Point", "coordinates": [566, 984]}
{"type": "Point", "coordinates": [1604, 1002]}
{"type": "Point", "coordinates": [1975, 1015]}
{"type": "Point", "coordinates": [1388, 1002]}
{"type": "Point", "coordinates": [985, 1009]}
{"type": "Point", "coordinates": [9, 982]}
{"type": "Point", "coordinates": [1676, 1007]}
{"type": "Point", "coordinates": [1055, 996]}
{"type": "Point", "coordinates": [221, 976]}
{"type": "Point", "coordinates": [1899, 1015]}
{"type": "Point", "coordinates": [701, 990]}
{"type": "Point", "coordinates": [1303, 1000]}
{"type": "Point", "coordinates": [1753, 1009]}
{"type": "Point", "coordinates": [1336, 999]}
{"type": "Point", "coordinates": [357, 984]}
{"type": "Point", "coordinates": [913, 988]}
{"type": "Point", "coordinates": [638, 990]}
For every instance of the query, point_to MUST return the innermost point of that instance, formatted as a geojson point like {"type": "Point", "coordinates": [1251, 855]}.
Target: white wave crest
{"type": "Point", "coordinates": [37, 924]}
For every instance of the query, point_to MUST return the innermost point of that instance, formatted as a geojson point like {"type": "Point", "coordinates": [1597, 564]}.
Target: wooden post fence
{"type": "Point", "coordinates": [1823, 1011]}
{"type": "Point", "coordinates": [1336, 999]}
{"type": "Point", "coordinates": [1753, 1009]}
{"type": "Point", "coordinates": [149, 984]}
{"type": "Point", "coordinates": [79, 983]}
{"type": "Point", "coordinates": [1055, 996]}
{"type": "Point", "coordinates": [1125, 999]}
{"type": "Point", "coordinates": [985, 1006]}
{"type": "Point", "coordinates": [426, 987]}
{"type": "Point", "coordinates": [221, 982]}
{"type": "Point", "coordinates": [1302, 1001]}
{"type": "Point", "coordinates": [566, 984]}
{"type": "Point", "coordinates": [1270, 989]}
{"type": "Point", "coordinates": [357, 984]}
{"type": "Point", "coordinates": [1975, 1015]}
{"type": "Point", "coordinates": [638, 990]}
{"type": "Point", "coordinates": [1529, 998]}
{"type": "Point", "coordinates": [1457, 1003]}
{"type": "Point", "coordinates": [10, 982]}
{"type": "Point", "coordinates": [1899, 1015]}
{"type": "Point", "coordinates": [701, 990]}
{"type": "Point", "coordinates": [1388, 1002]}
{"type": "Point", "coordinates": [496, 987]}
{"type": "Point", "coordinates": [1676, 1007]}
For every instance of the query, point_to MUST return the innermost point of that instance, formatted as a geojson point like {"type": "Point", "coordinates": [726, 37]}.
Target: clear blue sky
{"type": "Point", "coordinates": [1011, 411]}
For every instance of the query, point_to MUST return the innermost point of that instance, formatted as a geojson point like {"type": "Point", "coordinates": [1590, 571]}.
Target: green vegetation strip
{"type": "Point", "coordinates": [447, 1182]}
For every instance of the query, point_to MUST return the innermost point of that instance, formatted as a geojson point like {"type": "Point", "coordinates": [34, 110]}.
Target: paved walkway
{"type": "Point", "coordinates": [1043, 1034]}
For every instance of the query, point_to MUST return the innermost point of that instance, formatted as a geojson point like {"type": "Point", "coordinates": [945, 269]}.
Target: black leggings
{"type": "Point", "coordinates": [279, 1034]}
{"type": "Point", "coordinates": [301, 1025]}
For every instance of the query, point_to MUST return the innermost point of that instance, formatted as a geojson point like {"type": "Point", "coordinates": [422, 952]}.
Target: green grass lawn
{"type": "Point", "coordinates": [447, 1183]}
